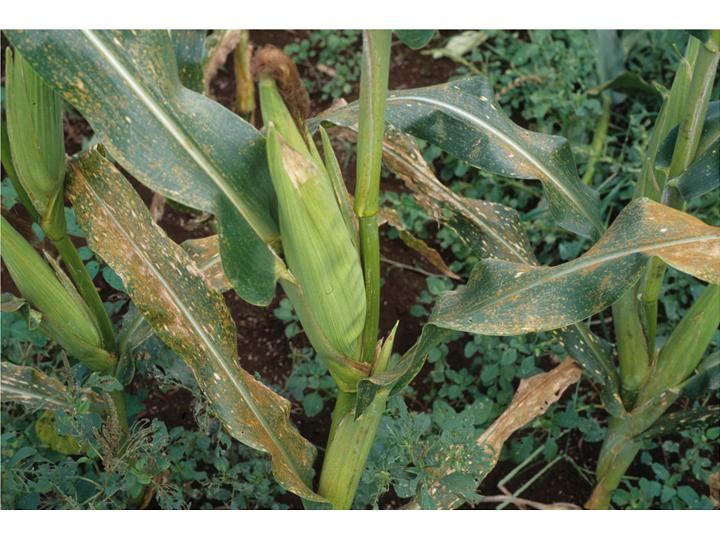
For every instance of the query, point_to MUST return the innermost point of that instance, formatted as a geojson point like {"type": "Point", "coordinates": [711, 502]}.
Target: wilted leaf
{"type": "Point", "coordinates": [459, 45]}
{"type": "Point", "coordinates": [462, 118]}
{"type": "Point", "coordinates": [489, 229]}
{"type": "Point", "coordinates": [169, 290]}
{"type": "Point", "coordinates": [179, 143]}
{"type": "Point", "coordinates": [36, 390]}
{"type": "Point", "coordinates": [391, 217]}
{"type": "Point", "coordinates": [507, 298]}
{"type": "Point", "coordinates": [48, 434]}
{"type": "Point", "coordinates": [220, 44]}
{"type": "Point", "coordinates": [532, 399]}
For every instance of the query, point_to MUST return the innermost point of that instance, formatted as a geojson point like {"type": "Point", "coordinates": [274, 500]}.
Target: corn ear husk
{"type": "Point", "coordinates": [35, 130]}
{"type": "Point", "coordinates": [64, 316]}
{"type": "Point", "coordinates": [317, 245]}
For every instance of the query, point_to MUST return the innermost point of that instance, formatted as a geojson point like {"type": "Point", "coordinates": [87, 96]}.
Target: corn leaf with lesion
{"type": "Point", "coordinates": [170, 291]}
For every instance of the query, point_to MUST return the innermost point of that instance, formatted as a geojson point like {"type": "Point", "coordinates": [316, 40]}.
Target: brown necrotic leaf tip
{"type": "Point", "coordinates": [269, 61]}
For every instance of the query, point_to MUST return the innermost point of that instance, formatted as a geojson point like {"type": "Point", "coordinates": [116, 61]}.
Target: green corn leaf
{"type": "Point", "coordinates": [415, 39]}
{"type": "Point", "coordinates": [652, 179]}
{"type": "Point", "coordinates": [702, 176]}
{"type": "Point", "coordinates": [704, 380]}
{"type": "Point", "coordinates": [37, 390]}
{"type": "Point", "coordinates": [609, 54]}
{"type": "Point", "coordinates": [628, 83]}
{"type": "Point", "coordinates": [594, 355]}
{"type": "Point", "coordinates": [134, 332]}
{"type": "Point", "coordinates": [709, 137]}
{"type": "Point", "coordinates": [491, 230]}
{"type": "Point", "coordinates": [64, 316]}
{"type": "Point", "coordinates": [176, 141]}
{"type": "Point", "coordinates": [610, 59]}
{"type": "Point", "coordinates": [683, 350]}
{"type": "Point", "coordinates": [508, 298]}
{"type": "Point", "coordinates": [35, 131]}
{"type": "Point", "coordinates": [170, 292]}
{"type": "Point", "coordinates": [680, 420]}
{"type": "Point", "coordinates": [190, 55]}
{"type": "Point", "coordinates": [462, 118]}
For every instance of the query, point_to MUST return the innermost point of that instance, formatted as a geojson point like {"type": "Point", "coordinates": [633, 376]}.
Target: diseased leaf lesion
{"type": "Point", "coordinates": [170, 291]}
{"type": "Point", "coordinates": [505, 298]}
{"type": "Point", "coordinates": [462, 118]}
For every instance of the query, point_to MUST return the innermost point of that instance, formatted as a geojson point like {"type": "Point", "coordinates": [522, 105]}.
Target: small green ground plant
{"type": "Point", "coordinates": [284, 217]}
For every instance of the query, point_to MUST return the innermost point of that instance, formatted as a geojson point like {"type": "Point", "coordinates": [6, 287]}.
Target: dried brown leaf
{"type": "Point", "coordinates": [227, 41]}
{"type": "Point", "coordinates": [532, 398]}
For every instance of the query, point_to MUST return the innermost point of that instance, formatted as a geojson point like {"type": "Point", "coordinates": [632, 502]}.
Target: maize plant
{"type": "Point", "coordinates": [284, 217]}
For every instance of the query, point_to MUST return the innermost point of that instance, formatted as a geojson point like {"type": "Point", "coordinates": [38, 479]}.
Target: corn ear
{"type": "Point", "coordinates": [317, 245]}
{"type": "Point", "coordinates": [65, 317]}
{"type": "Point", "coordinates": [35, 131]}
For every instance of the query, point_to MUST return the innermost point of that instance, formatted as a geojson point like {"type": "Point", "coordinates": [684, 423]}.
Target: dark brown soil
{"type": "Point", "coordinates": [262, 346]}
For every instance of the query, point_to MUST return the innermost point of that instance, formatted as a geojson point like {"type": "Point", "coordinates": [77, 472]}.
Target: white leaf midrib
{"type": "Point", "coordinates": [485, 126]}
{"type": "Point", "coordinates": [217, 177]}
{"type": "Point", "coordinates": [197, 327]}
{"type": "Point", "coordinates": [586, 262]}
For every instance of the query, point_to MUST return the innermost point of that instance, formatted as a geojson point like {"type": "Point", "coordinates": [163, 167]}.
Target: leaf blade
{"type": "Point", "coordinates": [461, 118]}
{"type": "Point", "coordinates": [506, 298]}
{"type": "Point", "coordinates": [170, 292]}
{"type": "Point", "coordinates": [176, 141]}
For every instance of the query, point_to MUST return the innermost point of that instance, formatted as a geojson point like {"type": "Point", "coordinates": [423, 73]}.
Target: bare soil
{"type": "Point", "coordinates": [262, 345]}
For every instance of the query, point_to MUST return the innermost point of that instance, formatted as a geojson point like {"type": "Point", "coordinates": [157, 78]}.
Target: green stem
{"type": "Point", "coordinates": [704, 68]}
{"type": "Point", "coordinates": [598, 142]}
{"type": "Point", "coordinates": [118, 397]}
{"type": "Point", "coordinates": [370, 249]}
{"type": "Point", "coordinates": [373, 90]}
{"type": "Point", "coordinates": [684, 348]}
{"type": "Point", "coordinates": [652, 283]}
{"type": "Point", "coordinates": [87, 290]}
{"type": "Point", "coordinates": [348, 452]}
{"type": "Point", "coordinates": [351, 438]}
{"type": "Point", "coordinates": [343, 404]}
{"type": "Point", "coordinates": [617, 454]}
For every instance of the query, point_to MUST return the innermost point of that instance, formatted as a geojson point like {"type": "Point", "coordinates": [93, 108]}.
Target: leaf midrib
{"type": "Point", "coordinates": [586, 262]}
{"type": "Point", "coordinates": [462, 114]}
{"type": "Point", "coordinates": [179, 135]}
{"type": "Point", "coordinates": [244, 391]}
